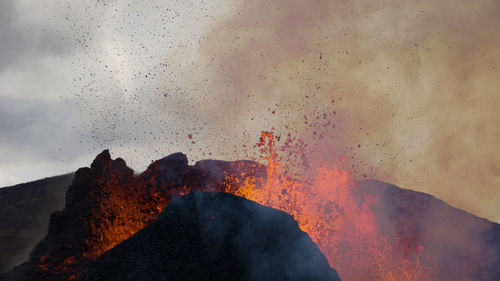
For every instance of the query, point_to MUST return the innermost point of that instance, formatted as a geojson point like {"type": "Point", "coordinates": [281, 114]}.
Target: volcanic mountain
{"type": "Point", "coordinates": [367, 230]}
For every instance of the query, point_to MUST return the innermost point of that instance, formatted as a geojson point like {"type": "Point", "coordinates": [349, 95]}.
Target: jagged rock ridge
{"type": "Point", "coordinates": [107, 204]}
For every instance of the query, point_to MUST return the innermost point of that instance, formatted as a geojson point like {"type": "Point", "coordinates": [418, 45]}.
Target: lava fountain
{"type": "Point", "coordinates": [326, 206]}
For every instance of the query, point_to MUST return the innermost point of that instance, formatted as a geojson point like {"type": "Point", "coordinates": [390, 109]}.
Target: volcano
{"type": "Point", "coordinates": [367, 230]}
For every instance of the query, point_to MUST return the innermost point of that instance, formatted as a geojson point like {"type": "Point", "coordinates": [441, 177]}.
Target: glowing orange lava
{"type": "Point", "coordinates": [325, 205]}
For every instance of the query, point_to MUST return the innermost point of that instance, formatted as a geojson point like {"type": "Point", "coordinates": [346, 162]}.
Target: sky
{"type": "Point", "coordinates": [406, 90]}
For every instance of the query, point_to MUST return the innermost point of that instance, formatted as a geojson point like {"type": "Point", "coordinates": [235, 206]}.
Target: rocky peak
{"type": "Point", "coordinates": [167, 170]}
{"type": "Point", "coordinates": [102, 161]}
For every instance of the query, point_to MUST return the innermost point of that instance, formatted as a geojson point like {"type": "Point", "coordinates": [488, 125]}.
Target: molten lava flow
{"type": "Point", "coordinates": [326, 206]}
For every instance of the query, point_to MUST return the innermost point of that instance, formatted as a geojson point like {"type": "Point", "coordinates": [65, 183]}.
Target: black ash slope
{"type": "Point", "coordinates": [215, 236]}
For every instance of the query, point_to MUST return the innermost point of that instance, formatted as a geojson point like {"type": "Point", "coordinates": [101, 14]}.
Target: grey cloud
{"type": "Point", "coordinates": [37, 130]}
{"type": "Point", "coordinates": [22, 38]}
{"type": "Point", "coordinates": [10, 34]}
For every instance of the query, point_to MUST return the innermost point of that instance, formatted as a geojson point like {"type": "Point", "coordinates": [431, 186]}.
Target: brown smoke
{"type": "Point", "coordinates": [410, 87]}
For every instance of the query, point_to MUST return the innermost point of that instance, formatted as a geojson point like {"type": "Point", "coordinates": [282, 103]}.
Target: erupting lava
{"type": "Point", "coordinates": [374, 232]}
{"type": "Point", "coordinates": [326, 206]}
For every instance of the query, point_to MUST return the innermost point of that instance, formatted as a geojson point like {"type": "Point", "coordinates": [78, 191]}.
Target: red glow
{"type": "Point", "coordinates": [325, 205]}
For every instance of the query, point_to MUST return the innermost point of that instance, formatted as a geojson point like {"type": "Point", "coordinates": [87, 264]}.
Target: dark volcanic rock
{"type": "Point", "coordinates": [215, 236]}
{"type": "Point", "coordinates": [456, 245]}
{"type": "Point", "coordinates": [107, 204]}
{"type": "Point", "coordinates": [24, 216]}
